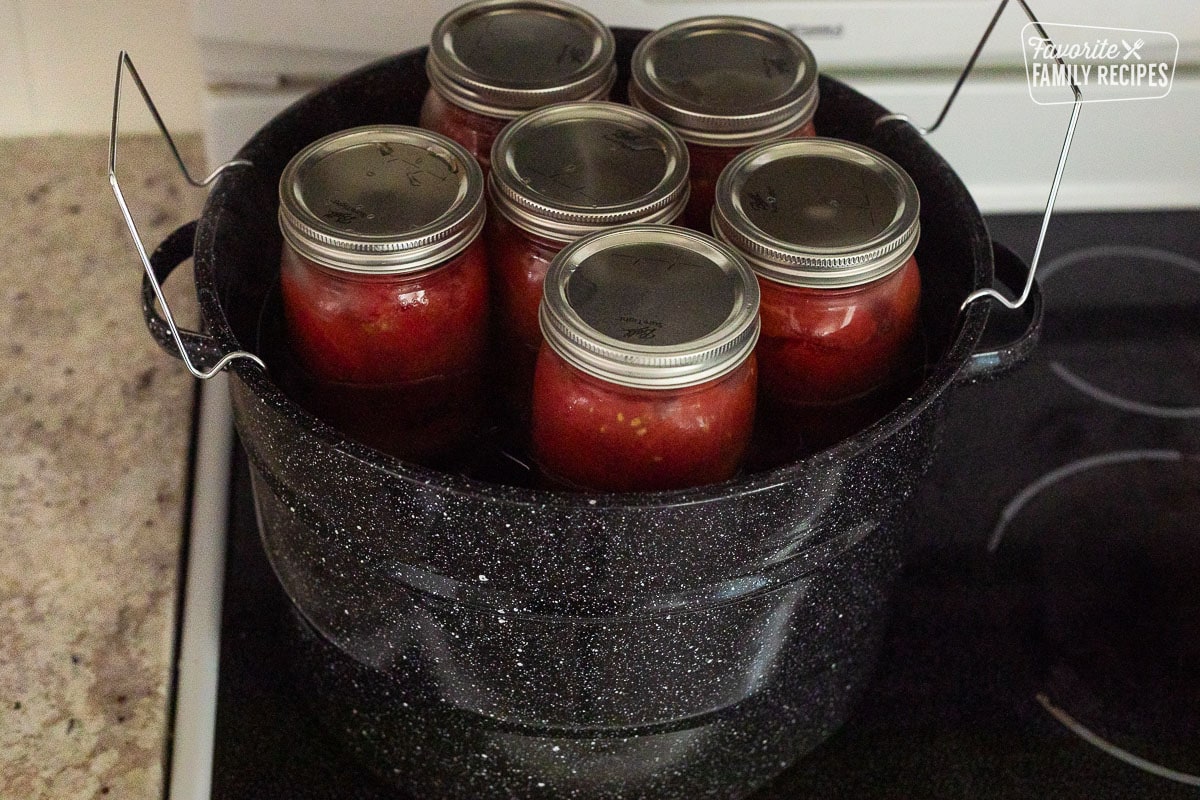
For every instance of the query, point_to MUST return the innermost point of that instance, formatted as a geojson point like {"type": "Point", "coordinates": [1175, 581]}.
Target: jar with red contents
{"type": "Point", "coordinates": [560, 173]}
{"type": "Point", "coordinates": [384, 283]}
{"type": "Point", "coordinates": [830, 228]}
{"type": "Point", "coordinates": [491, 61]}
{"type": "Point", "coordinates": [725, 84]}
{"type": "Point", "coordinates": [647, 378]}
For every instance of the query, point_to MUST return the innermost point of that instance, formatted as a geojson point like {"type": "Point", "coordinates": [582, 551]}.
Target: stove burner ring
{"type": "Point", "coordinates": [1081, 384]}
{"type": "Point", "coordinates": [1023, 497]}
{"type": "Point", "coordinates": [1100, 743]}
{"type": "Point", "coordinates": [1008, 514]}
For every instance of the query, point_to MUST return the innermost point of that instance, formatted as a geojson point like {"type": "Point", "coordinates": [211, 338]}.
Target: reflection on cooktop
{"type": "Point", "coordinates": [1054, 570]}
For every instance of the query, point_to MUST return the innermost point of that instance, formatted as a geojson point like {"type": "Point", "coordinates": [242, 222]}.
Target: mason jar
{"type": "Point", "coordinates": [725, 84]}
{"type": "Point", "coordinates": [384, 284]}
{"type": "Point", "coordinates": [560, 173]}
{"type": "Point", "coordinates": [647, 378]}
{"type": "Point", "coordinates": [830, 228]}
{"type": "Point", "coordinates": [492, 60]}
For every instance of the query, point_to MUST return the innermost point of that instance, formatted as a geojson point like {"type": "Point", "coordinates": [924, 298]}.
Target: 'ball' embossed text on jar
{"type": "Point", "coordinates": [725, 84]}
{"type": "Point", "coordinates": [830, 228]}
{"type": "Point", "coordinates": [558, 174]}
{"type": "Point", "coordinates": [647, 377]}
{"type": "Point", "coordinates": [492, 60]}
{"type": "Point", "coordinates": [384, 283]}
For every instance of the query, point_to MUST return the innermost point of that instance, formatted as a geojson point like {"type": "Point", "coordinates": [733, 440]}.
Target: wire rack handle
{"type": "Point", "coordinates": [124, 62]}
{"type": "Point", "coordinates": [1058, 171]}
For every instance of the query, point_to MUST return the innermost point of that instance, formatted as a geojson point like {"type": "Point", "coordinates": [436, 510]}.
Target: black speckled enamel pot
{"type": "Point", "coordinates": [473, 640]}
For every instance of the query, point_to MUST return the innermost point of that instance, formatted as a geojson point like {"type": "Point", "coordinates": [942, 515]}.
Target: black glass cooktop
{"type": "Point", "coordinates": [1046, 633]}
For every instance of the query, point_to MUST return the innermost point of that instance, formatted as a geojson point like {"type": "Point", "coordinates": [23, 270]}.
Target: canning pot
{"type": "Point", "coordinates": [468, 638]}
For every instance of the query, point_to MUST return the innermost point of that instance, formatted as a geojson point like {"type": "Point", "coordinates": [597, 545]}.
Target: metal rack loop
{"type": "Point", "coordinates": [1058, 172]}
{"type": "Point", "coordinates": [123, 62]}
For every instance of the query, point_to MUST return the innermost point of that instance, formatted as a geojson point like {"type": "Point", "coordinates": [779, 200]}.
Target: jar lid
{"type": "Point", "coordinates": [566, 170]}
{"type": "Point", "coordinates": [503, 57]}
{"type": "Point", "coordinates": [725, 80]}
{"type": "Point", "coordinates": [822, 213]}
{"type": "Point", "coordinates": [381, 199]}
{"type": "Point", "coordinates": [650, 306]}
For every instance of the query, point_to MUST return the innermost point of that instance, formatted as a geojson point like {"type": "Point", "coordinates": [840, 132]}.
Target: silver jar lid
{"type": "Point", "coordinates": [566, 170]}
{"type": "Point", "coordinates": [504, 57]}
{"type": "Point", "coordinates": [650, 306]}
{"type": "Point", "coordinates": [381, 199]}
{"type": "Point", "coordinates": [725, 80]}
{"type": "Point", "coordinates": [822, 213]}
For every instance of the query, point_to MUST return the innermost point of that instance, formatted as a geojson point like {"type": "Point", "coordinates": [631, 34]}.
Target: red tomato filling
{"type": "Point", "coordinates": [518, 261]}
{"type": "Point", "coordinates": [591, 434]}
{"type": "Point", "coordinates": [823, 346]}
{"type": "Point", "coordinates": [472, 130]}
{"type": "Point", "coordinates": [393, 361]}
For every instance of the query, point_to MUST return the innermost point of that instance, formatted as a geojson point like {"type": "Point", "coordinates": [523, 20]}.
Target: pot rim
{"type": "Point", "coordinates": [939, 378]}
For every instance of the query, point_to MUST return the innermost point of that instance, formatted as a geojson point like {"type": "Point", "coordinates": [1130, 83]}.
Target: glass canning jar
{"type": "Point", "coordinates": [725, 84]}
{"type": "Point", "coordinates": [646, 379]}
{"type": "Point", "coordinates": [830, 228]}
{"type": "Point", "coordinates": [384, 283]}
{"type": "Point", "coordinates": [560, 173]}
{"type": "Point", "coordinates": [492, 60]}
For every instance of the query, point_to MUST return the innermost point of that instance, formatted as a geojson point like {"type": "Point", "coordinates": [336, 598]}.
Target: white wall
{"type": "Point", "coordinates": [58, 63]}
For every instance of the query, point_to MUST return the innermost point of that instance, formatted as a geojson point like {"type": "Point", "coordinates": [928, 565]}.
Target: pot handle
{"type": "Point", "coordinates": [1011, 334]}
{"type": "Point", "coordinates": [1028, 289]}
{"type": "Point", "coordinates": [200, 353]}
{"type": "Point", "coordinates": [175, 249]}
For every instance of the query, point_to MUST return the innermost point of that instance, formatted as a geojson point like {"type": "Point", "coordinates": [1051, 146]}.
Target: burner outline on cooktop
{"type": "Point", "coordinates": [1023, 497]}
{"type": "Point", "coordinates": [1009, 513]}
{"type": "Point", "coordinates": [1119, 753]}
{"type": "Point", "coordinates": [1081, 384]}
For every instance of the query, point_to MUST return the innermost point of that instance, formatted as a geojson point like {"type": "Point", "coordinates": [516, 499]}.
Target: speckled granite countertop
{"type": "Point", "coordinates": [94, 429]}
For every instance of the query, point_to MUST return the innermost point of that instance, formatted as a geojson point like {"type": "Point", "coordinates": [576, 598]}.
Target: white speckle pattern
{"type": "Point", "coordinates": [506, 642]}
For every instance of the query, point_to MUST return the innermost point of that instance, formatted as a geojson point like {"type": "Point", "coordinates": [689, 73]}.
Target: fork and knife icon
{"type": "Point", "coordinates": [1132, 50]}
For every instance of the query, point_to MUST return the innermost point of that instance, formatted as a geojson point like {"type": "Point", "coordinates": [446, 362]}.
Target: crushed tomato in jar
{"type": "Point", "coordinates": [490, 61]}
{"type": "Point", "coordinates": [725, 84]}
{"type": "Point", "coordinates": [560, 173]}
{"type": "Point", "coordinates": [830, 228]}
{"type": "Point", "coordinates": [647, 378]}
{"type": "Point", "coordinates": [384, 283]}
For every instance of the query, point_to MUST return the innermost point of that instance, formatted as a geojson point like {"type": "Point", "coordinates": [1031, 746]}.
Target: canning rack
{"type": "Point", "coordinates": [990, 293]}
{"type": "Point", "coordinates": [123, 62]}
{"type": "Point", "coordinates": [182, 336]}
